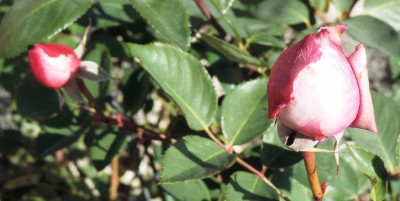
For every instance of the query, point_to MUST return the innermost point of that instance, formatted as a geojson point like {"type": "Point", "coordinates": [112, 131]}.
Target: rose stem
{"type": "Point", "coordinates": [311, 167]}
{"type": "Point", "coordinates": [202, 6]}
{"type": "Point", "coordinates": [243, 163]}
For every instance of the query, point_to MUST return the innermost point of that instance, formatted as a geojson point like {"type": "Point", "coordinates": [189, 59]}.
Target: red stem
{"type": "Point", "coordinates": [203, 7]}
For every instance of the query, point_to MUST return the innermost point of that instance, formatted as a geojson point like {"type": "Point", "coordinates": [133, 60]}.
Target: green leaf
{"type": "Point", "coordinates": [398, 150]}
{"type": "Point", "coordinates": [244, 112]}
{"type": "Point", "coordinates": [182, 77]}
{"type": "Point", "coordinates": [230, 51]}
{"type": "Point", "coordinates": [169, 18]}
{"type": "Point", "coordinates": [342, 6]}
{"type": "Point", "coordinates": [384, 142]}
{"type": "Point", "coordinates": [266, 39]}
{"type": "Point", "coordinates": [48, 143]}
{"type": "Point", "coordinates": [394, 64]}
{"type": "Point", "coordinates": [188, 190]}
{"type": "Point", "coordinates": [194, 157]}
{"type": "Point", "coordinates": [321, 5]}
{"type": "Point", "coordinates": [385, 10]}
{"type": "Point", "coordinates": [283, 11]}
{"type": "Point", "coordinates": [326, 161]}
{"type": "Point", "coordinates": [371, 165]}
{"type": "Point", "coordinates": [349, 183]}
{"type": "Point", "coordinates": [286, 180]}
{"type": "Point", "coordinates": [229, 74]}
{"type": "Point", "coordinates": [223, 5]}
{"type": "Point", "coordinates": [375, 34]}
{"type": "Point", "coordinates": [274, 154]}
{"type": "Point", "coordinates": [36, 101]}
{"type": "Point", "coordinates": [28, 22]}
{"type": "Point", "coordinates": [104, 145]}
{"type": "Point", "coordinates": [108, 13]}
{"type": "Point", "coordinates": [247, 186]}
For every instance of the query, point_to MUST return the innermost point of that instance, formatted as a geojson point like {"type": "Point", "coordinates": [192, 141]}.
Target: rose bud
{"type": "Point", "coordinates": [53, 65]}
{"type": "Point", "coordinates": [316, 91]}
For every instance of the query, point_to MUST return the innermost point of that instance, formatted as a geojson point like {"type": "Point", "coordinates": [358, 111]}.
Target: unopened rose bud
{"type": "Point", "coordinates": [53, 65]}
{"type": "Point", "coordinates": [317, 91]}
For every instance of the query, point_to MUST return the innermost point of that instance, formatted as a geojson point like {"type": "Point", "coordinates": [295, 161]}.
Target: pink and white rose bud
{"type": "Point", "coordinates": [316, 91]}
{"type": "Point", "coordinates": [53, 65]}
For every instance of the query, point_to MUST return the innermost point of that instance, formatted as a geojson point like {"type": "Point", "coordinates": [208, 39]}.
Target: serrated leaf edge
{"type": "Point", "coordinates": [235, 136]}
{"type": "Point", "coordinates": [20, 50]}
{"type": "Point", "coordinates": [207, 77]}
{"type": "Point", "coordinates": [186, 17]}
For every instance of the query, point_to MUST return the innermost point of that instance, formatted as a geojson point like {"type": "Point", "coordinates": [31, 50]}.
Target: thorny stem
{"type": "Point", "coordinates": [202, 6]}
{"type": "Point", "coordinates": [119, 121]}
{"type": "Point", "coordinates": [311, 168]}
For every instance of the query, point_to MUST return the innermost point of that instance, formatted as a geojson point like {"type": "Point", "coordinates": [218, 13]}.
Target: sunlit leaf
{"type": "Point", "coordinates": [230, 51]}
{"type": "Point", "coordinates": [169, 18]}
{"type": "Point", "coordinates": [182, 77]}
{"type": "Point", "coordinates": [371, 165]}
{"type": "Point", "coordinates": [28, 22]}
{"type": "Point", "coordinates": [385, 10]}
{"type": "Point", "coordinates": [244, 112]}
{"type": "Point", "coordinates": [283, 11]}
{"type": "Point", "coordinates": [374, 33]}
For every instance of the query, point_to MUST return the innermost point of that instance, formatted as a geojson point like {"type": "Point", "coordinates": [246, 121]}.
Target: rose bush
{"type": "Point", "coordinates": [185, 116]}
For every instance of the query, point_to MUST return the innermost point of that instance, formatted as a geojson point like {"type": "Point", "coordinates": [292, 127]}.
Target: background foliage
{"type": "Point", "coordinates": [185, 71]}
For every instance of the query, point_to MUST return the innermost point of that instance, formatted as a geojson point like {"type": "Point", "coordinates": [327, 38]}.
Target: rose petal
{"type": "Point", "coordinates": [365, 118]}
{"type": "Point", "coordinates": [53, 65]}
{"type": "Point", "coordinates": [325, 95]}
{"type": "Point", "coordinates": [285, 70]}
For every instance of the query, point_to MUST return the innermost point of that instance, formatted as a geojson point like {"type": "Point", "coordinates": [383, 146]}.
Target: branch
{"type": "Point", "coordinates": [119, 120]}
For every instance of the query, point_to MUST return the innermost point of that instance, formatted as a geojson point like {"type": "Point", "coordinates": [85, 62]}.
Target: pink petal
{"type": "Point", "coordinates": [365, 118]}
{"type": "Point", "coordinates": [285, 70]}
{"type": "Point", "coordinates": [293, 60]}
{"type": "Point", "coordinates": [312, 88]}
